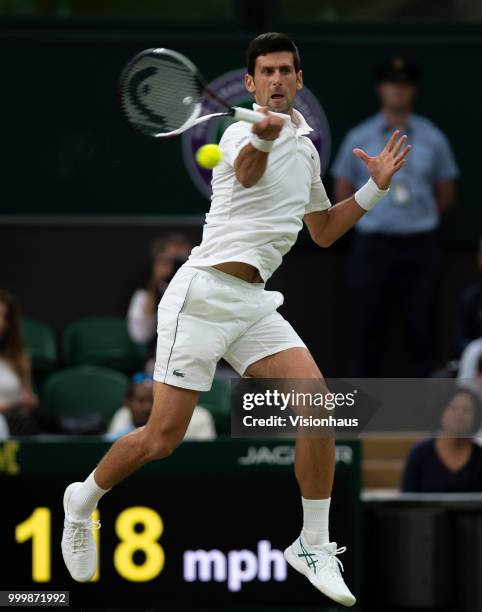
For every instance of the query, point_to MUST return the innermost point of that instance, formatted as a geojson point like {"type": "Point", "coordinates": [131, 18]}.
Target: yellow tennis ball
{"type": "Point", "coordinates": [209, 156]}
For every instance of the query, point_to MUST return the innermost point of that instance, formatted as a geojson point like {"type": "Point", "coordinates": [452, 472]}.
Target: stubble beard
{"type": "Point", "coordinates": [286, 108]}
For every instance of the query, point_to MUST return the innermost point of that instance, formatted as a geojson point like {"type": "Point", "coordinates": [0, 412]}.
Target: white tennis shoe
{"type": "Point", "coordinates": [78, 546]}
{"type": "Point", "coordinates": [321, 566]}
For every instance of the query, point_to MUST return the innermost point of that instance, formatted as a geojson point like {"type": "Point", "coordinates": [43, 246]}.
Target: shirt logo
{"type": "Point", "coordinates": [179, 373]}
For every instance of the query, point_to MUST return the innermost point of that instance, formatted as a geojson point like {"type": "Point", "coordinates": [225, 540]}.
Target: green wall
{"type": "Point", "coordinates": [67, 150]}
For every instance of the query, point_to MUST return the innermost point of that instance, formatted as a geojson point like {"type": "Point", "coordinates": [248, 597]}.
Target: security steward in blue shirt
{"type": "Point", "coordinates": [395, 255]}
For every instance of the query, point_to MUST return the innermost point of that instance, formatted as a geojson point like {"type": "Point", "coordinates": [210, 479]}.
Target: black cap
{"type": "Point", "coordinates": [398, 70]}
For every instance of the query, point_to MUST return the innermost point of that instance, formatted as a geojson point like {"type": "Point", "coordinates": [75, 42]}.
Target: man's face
{"type": "Point", "coordinates": [275, 81]}
{"type": "Point", "coordinates": [397, 97]}
{"type": "Point", "coordinates": [140, 403]}
{"type": "Point", "coordinates": [458, 416]}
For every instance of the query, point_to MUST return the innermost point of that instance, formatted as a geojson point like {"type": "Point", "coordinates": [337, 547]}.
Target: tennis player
{"type": "Point", "coordinates": [216, 306]}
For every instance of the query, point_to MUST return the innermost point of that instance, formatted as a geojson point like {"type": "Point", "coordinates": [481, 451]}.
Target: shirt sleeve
{"type": "Point", "coordinates": [469, 360]}
{"type": "Point", "coordinates": [318, 198]}
{"type": "Point", "coordinates": [445, 167]}
{"type": "Point", "coordinates": [344, 165]}
{"type": "Point", "coordinates": [233, 140]}
{"type": "Point", "coordinates": [141, 328]}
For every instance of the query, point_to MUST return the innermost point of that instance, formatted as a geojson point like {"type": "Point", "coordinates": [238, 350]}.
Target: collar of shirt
{"type": "Point", "coordinates": [387, 130]}
{"type": "Point", "coordinates": [298, 122]}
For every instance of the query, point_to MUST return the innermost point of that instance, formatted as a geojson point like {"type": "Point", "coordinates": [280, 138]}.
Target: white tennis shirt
{"type": "Point", "coordinates": [259, 224]}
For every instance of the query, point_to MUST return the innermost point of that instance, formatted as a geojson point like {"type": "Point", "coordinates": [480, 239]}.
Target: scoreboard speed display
{"type": "Point", "coordinates": [205, 527]}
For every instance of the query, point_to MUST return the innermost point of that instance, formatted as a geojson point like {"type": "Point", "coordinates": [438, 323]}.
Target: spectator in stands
{"type": "Point", "coordinates": [469, 324]}
{"type": "Point", "coordinates": [167, 255]}
{"type": "Point", "coordinates": [395, 255]}
{"type": "Point", "coordinates": [17, 402]}
{"type": "Point", "coordinates": [137, 408]}
{"type": "Point", "coordinates": [451, 462]}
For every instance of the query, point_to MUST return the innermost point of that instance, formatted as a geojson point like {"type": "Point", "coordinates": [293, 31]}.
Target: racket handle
{"type": "Point", "coordinates": [244, 114]}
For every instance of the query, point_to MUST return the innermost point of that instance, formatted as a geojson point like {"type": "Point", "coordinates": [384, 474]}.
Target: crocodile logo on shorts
{"type": "Point", "coordinates": [179, 373]}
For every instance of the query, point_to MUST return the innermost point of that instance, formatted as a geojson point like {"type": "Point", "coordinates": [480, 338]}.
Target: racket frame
{"type": "Point", "coordinates": [238, 113]}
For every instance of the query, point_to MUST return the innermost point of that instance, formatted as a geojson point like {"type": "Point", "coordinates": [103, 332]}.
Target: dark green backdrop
{"type": "Point", "coordinates": [66, 149]}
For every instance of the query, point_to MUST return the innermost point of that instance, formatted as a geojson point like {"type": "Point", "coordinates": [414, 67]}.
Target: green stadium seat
{"type": "Point", "coordinates": [217, 401]}
{"type": "Point", "coordinates": [40, 343]}
{"type": "Point", "coordinates": [81, 391]}
{"type": "Point", "coordinates": [102, 341]}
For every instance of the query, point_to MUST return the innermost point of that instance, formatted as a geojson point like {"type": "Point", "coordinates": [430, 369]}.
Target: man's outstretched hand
{"type": "Point", "coordinates": [384, 165]}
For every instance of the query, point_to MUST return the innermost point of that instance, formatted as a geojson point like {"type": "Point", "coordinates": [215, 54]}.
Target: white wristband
{"type": "Point", "coordinates": [262, 145]}
{"type": "Point", "coordinates": [369, 195]}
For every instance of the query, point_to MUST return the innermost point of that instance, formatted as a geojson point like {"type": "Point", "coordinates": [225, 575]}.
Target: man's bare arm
{"type": "Point", "coordinates": [327, 226]}
{"type": "Point", "coordinates": [250, 164]}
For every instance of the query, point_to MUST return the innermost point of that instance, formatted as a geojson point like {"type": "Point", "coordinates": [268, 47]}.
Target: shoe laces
{"type": "Point", "coordinates": [326, 555]}
{"type": "Point", "coordinates": [332, 563]}
{"type": "Point", "coordinates": [79, 533]}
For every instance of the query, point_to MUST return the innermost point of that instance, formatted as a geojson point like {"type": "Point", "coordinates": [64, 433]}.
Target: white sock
{"type": "Point", "coordinates": [84, 499]}
{"type": "Point", "coordinates": [315, 521]}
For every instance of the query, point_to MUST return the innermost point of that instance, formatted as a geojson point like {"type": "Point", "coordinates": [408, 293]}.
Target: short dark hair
{"type": "Point", "coordinates": [398, 69]}
{"type": "Point", "coordinates": [270, 42]}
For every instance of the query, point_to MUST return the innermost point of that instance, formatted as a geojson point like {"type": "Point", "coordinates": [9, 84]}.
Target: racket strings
{"type": "Point", "coordinates": [161, 94]}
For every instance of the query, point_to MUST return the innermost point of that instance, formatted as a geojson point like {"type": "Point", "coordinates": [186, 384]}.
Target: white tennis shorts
{"type": "Point", "coordinates": [205, 315]}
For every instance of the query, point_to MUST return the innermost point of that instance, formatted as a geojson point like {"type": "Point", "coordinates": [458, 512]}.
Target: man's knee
{"type": "Point", "coordinates": [158, 446]}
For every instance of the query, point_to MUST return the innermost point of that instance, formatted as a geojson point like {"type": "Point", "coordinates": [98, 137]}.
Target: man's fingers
{"type": "Point", "coordinates": [260, 126]}
{"type": "Point", "coordinates": [361, 155]}
{"type": "Point", "coordinates": [276, 122]}
{"type": "Point", "coordinates": [398, 165]}
{"type": "Point", "coordinates": [405, 152]}
{"type": "Point", "coordinates": [269, 128]}
{"type": "Point", "coordinates": [398, 145]}
{"type": "Point", "coordinates": [391, 142]}
{"type": "Point", "coordinates": [399, 161]}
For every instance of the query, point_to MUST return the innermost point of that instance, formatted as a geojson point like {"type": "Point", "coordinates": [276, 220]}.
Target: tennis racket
{"type": "Point", "coordinates": [161, 95]}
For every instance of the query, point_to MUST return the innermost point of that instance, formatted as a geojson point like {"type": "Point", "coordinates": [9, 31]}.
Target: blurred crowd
{"type": "Point", "coordinates": [21, 413]}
